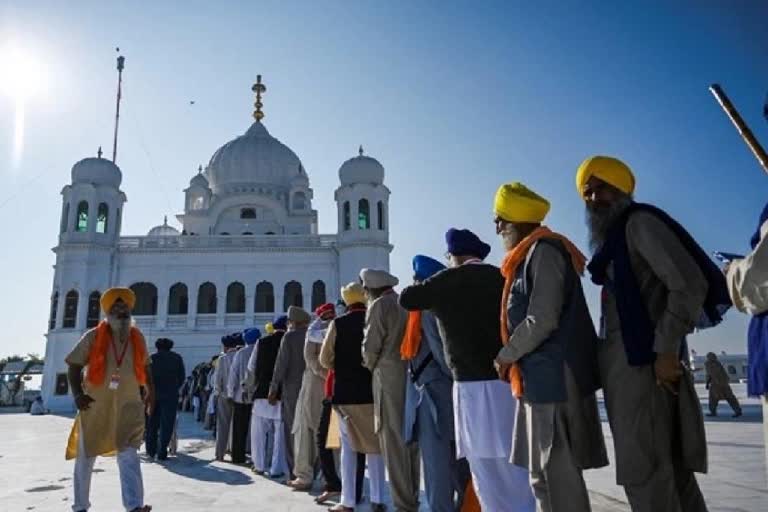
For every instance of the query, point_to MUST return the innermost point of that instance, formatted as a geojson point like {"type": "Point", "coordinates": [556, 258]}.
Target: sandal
{"type": "Point", "coordinates": [327, 496]}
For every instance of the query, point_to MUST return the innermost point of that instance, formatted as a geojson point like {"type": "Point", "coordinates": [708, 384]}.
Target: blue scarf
{"type": "Point", "coordinates": [757, 337]}
{"type": "Point", "coordinates": [637, 329]}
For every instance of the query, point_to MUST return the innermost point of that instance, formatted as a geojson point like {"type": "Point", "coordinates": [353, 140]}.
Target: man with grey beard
{"type": "Point", "coordinates": [111, 380]}
{"type": "Point", "coordinates": [656, 282]}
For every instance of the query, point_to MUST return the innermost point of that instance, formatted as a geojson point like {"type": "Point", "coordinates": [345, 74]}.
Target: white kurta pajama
{"type": "Point", "coordinates": [748, 286]}
{"type": "Point", "coordinates": [484, 412]}
{"type": "Point", "coordinates": [467, 302]}
{"type": "Point", "coordinates": [266, 429]}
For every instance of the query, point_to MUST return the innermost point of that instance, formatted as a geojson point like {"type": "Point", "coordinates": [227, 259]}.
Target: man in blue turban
{"type": "Point", "coordinates": [241, 417]}
{"type": "Point", "coordinates": [224, 403]}
{"type": "Point", "coordinates": [428, 402]}
{"type": "Point", "coordinates": [465, 298]}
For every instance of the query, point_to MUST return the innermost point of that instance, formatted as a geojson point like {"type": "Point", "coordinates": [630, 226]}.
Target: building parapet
{"type": "Point", "coordinates": [142, 243]}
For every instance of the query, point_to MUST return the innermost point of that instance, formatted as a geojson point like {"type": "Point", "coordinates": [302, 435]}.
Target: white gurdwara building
{"type": "Point", "coordinates": [248, 249]}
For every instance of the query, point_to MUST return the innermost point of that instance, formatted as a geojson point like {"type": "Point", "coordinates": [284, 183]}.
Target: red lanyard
{"type": "Point", "coordinates": [119, 360]}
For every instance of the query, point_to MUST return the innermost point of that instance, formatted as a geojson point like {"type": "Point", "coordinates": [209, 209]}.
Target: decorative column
{"type": "Point", "coordinates": [162, 307]}
{"type": "Point", "coordinates": [250, 307]}
{"type": "Point", "coordinates": [192, 305]}
{"type": "Point", "coordinates": [221, 306]}
{"type": "Point", "coordinates": [82, 310]}
{"type": "Point", "coordinates": [307, 296]}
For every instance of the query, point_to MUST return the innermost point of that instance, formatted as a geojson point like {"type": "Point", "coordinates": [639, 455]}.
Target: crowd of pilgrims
{"type": "Point", "coordinates": [484, 377]}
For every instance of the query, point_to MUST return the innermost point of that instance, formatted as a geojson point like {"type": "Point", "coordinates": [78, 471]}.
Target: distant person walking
{"type": "Point", "coordinates": [168, 376]}
{"type": "Point", "coordinates": [719, 386]}
{"type": "Point", "coordinates": [108, 396]}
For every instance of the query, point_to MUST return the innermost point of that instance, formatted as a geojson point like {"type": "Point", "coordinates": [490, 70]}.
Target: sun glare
{"type": "Point", "coordinates": [22, 74]}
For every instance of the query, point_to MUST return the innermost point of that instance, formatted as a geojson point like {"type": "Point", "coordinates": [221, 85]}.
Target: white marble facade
{"type": "Point", "coordinates": [249, 247]}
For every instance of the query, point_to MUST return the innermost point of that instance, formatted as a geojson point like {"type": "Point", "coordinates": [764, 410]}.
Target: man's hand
{"type": "Point", "coordinates": [502, 368]}
{"type": "Point", "coordinates": [149, 402]}
{"type": "Point", "coordinates": [83, 402]}
{"type": "Point", "coordinates": [272, 398]}
{"type": "Point", "coordinates": [668, 371]}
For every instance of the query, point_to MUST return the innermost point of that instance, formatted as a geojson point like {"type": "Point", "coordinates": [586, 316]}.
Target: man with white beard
{"type": "Point", "coordinates": [549, 354]}
{"type": "Point", "coordinates": [658, 285]}
{"type": "Point", "coordinates": [112, 399]}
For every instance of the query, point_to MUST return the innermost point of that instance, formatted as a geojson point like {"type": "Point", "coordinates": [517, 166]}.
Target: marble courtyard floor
{"type": "Point", "coordinates": [35, 477]}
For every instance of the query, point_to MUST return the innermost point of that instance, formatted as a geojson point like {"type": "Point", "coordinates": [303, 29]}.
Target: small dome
{"type": "Point", "coordinates": [164, 230]}
{"type": "Point", "coordinates": [199, 181]}
{"type": "Point", "coordinates": [97, 171]}
{"type": "Point", "coordinates": [361, 169]}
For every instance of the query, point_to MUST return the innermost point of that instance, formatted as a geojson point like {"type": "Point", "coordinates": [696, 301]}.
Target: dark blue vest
{"type": "Point", "coordinates": [574, 342]}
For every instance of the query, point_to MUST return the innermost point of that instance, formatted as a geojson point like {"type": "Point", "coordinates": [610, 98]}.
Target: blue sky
{"type": "Point", "coordinates": [454, 98]}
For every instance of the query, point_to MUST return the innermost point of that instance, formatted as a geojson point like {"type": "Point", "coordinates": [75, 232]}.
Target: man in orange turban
{"type": "Point", "coordinates": [110, 408]}
{"type": "Point", "coordinates": [550, 342]}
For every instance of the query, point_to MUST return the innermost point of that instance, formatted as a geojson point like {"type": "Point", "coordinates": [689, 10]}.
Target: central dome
{"type": "Point", "coordinates": [251, 160]}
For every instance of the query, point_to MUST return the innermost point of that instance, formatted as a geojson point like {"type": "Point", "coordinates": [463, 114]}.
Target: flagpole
{"type": "Point", "coordinates": [120, 67]}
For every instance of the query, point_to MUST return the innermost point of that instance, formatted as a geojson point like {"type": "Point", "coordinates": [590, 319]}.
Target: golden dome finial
{"type": "Point", "coordinates": [259, 89]}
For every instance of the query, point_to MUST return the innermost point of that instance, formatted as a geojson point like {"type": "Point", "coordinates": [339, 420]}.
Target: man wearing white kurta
{"type": "Point", "coordinates": [266, 419]}
{"type": "Point", "coordinates": [748, 286]}
{"type": "Point", "coordinates": [466, 299]}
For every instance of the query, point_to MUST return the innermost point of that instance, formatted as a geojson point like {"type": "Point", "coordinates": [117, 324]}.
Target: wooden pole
{"type": "Point", "coordinates": [741, 126]}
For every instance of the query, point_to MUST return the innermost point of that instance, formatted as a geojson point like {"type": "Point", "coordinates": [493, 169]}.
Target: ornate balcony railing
{"type": "Point", "coordinates": [129, 243]}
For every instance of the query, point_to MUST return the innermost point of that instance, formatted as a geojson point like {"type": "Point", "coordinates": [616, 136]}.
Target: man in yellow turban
{"type": "Point", "coordinates": [657, 285]}
{"type": "Point", "coordinates": [549, 353]}
{"type": "Point", "coordinates": [110, 408]}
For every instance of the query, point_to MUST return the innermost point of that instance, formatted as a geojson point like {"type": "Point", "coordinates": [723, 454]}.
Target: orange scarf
{"type": "Point", "coordinates": [508, 269]}
{"type": "Point", "coordinates": [412, 338]}
{"type": "Point", "coordinates": [97, 358]}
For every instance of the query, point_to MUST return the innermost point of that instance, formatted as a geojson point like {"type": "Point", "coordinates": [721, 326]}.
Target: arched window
{"type": "Point", "coordinates": [81, 223]}
{"type": "Point", "coordinates": [299, 201]}
{"type": "Point", "coordinates": [54, 310]}
{"type": "Point", "coordinates": [731, 369]}
{"type": "Point", "coordinates": [363, 214]}
{"type": "Point", "coordinates": [146, 299]}
{"type": "Point", "coordinates": [178, 300]}
{"type": "Point", "coordinates": [206, 299]}
{"type": "Point", "coordinates": [224, 233]}
{"type": "Point", "coordinates": [269, 233]}
{"type": "Point", "coordinates": [70, 309]}
{"type": "Point", "coordinates": [318, 294]}
{"type": "Point", "coordinates": [235, 298]}
{"type": "Point", "coordinates": [94, 310]}
{"type": "Point", "coordinates": [265, 298]}
{"type": "Point", "coordinates": [292, 295]}
{"type": "Point", "coordinates": [246, 233]}
{"type": "Point", "coordinates": [65, 217]}
{"type": "Point", "coordinates": [347, 217]}
{"type": "Point", "coordinates": [102, 217]}
{"type": "Point", "coordinates": [380, 211]}
{"type": "Point", "coordinates": [248, 213]}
